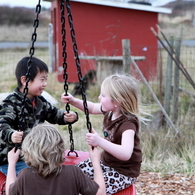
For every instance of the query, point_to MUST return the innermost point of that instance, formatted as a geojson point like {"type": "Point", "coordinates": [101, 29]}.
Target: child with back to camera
{"type": "Point", "coordinates": [37, 109]}
{"type": "Point", "coordinates": [43, 151]}
{"type": "Point", "coordinates": [121, 157]}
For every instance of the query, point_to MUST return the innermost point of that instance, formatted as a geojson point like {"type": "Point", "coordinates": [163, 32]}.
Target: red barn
{"type": "Point", "coordinates": [100, 27]}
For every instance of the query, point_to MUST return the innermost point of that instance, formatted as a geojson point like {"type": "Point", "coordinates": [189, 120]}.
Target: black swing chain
{"type": "Point", "coordinates": [65, 75]}
{"type": "Point", "coordinates": [22, 125]}
{"type": "Point", "coordinates": [77, 61]}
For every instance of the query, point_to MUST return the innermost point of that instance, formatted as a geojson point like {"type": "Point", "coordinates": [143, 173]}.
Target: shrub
{"type": "Point", "coordinates": [17, 15]}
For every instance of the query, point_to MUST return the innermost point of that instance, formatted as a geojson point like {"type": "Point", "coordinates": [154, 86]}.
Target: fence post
{"type": "Point", "coordinates": [176, 81]}
{"type": "Point", "coordinates": [126, 55]}
{"type": "Point", "coordinates": [51, 49]}
{"type": "Point", "coordinates": [168, 85]}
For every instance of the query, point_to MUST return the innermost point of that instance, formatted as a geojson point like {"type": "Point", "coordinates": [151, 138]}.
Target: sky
{"type": "Point", "coordinates": [33, 3]}
{"type": "Point", "coordinates": [158, 2]}
{"type": "Point", "coordinates": [24, 3]}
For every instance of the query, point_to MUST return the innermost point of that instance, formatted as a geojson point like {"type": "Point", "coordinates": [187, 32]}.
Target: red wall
{"type": "Point", "coordinates": [99, 31]}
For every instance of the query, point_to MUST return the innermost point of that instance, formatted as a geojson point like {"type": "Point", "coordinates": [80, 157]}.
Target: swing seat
{"type": "Point", "coordinates": [131, 190]}
{"type": "Point", "coordinates": [2, 183]}
{"type": "Point", "coordinates": [73, 158]}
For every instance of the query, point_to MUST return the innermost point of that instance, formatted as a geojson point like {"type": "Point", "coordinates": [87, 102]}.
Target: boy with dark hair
{"type": "Point", "coordinates": [37, 109]}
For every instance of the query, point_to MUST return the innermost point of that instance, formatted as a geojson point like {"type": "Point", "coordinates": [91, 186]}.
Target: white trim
{"type": "Point", "coordinates": [127, 5]}
{"type": "Point", "coordinates": [114, 58]}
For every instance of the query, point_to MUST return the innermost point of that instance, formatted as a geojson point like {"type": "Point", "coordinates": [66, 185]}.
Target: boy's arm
{"type": "Point", "coordinates": [71, 117]}
{"type": "Point", "coordinates": [11, 174]}
{"type": "Point", "coordinates": [8, 117]}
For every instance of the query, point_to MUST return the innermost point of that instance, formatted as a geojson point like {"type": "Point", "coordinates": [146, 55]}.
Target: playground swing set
{"type": "Point", "coordinates": [72, 157]}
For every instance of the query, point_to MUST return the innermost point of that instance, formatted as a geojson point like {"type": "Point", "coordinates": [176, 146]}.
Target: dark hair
{"type": "Point", "coordinates": [37, 66]}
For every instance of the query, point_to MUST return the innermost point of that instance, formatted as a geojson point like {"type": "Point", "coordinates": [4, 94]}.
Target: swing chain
{"type": "Point", "coordinates": [35, 25]}
{"type": "Point", "coordinates": [31, 53]}
{"type": "Point", "coordinates": [77, 61]}
{"type": "Point", "coordinates": [64, 53]}
{"type": "Point", "coordinates": [22, 125]}
{"type": "Point", "coordinates": [65, 74]}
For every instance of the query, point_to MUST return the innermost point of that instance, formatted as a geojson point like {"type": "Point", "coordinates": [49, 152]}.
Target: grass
{"type": "Point", "coordinates": [13, 33]}
{"type": "Point", "coordinates": [163, 151]}
{"type": "Point", "coordinates": [167, 154]}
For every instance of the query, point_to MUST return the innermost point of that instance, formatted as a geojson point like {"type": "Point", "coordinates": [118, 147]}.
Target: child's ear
{"type": "Point", "coordinates": [117, 103]}
{"type": "Point", "coordinates": [23, 80]}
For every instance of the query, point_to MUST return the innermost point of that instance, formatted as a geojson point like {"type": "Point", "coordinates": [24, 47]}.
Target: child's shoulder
{"type": "Point", "coordinates": [71, 168]}
{"type": "Point", "coordinates": [11, 96]}
{"type": "Point", "coordinates": [46, 97]}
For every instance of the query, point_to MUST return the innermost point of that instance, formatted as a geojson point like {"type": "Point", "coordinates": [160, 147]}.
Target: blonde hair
{"type": "Point", "coordinates": [43, 148]}
{"type": "Point", "coordinates": [123, 90]}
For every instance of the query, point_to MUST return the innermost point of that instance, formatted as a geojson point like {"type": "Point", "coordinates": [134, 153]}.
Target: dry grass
{"type": "Point", "coordinates": [162, 151]}
{"type": "Point", "coordinates": [177, 26]}
{"type": "Point", "coordinates": [13, 33]}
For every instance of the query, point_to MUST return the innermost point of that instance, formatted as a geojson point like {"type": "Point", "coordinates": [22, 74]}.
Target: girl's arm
{"type": "Point", "coordinates": [94, 108]}
{"type": "Point", "coordinates": [11, 173]}
{"type": "Point", "coordinates": [119, 151]}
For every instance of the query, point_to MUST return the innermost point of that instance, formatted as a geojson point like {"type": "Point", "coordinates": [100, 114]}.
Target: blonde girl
{"type": "Point", "coordinates": [121, 157]}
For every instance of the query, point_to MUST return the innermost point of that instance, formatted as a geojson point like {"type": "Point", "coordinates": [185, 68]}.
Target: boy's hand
{"type": "Point", "coordinates": [70, 117]}
{"type": "Point", "coordinates": [16, 136]}
{"type": "Point", "coordinates": [13, 156]}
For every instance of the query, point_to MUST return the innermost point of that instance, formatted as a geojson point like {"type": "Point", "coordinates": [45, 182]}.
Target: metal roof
{"type": "Point", "coordinates": [126, 5]}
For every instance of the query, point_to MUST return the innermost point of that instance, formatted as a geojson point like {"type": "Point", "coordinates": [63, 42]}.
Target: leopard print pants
{"type": "Point", "coordinates": [114, 181]}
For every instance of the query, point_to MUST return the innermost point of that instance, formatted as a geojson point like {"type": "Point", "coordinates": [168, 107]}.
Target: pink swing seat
{"type": "Point", "coordinates": [2, 183]}
{"type": "Point", "coordinates": [74, 158]}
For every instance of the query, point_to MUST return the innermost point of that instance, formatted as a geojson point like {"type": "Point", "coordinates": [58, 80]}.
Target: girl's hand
{"type": "Point", "coordinates": [17, 136]}
{"type": "Point", "coordinates": [70, 117]}
{"type": "Point", "coordinates": [13, 156]}
{"type": "Point", "coordinates": [66, 98]}
{"type": "Point", "coordinates": [93, 138]}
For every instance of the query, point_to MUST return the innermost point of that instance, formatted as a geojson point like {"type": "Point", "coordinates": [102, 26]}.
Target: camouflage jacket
{"type": "Point", "coordinates": [10, 112]}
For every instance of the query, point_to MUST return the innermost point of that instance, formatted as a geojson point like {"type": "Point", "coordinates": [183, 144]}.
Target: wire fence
{"type": "Point", "coordinates": [186, 102]}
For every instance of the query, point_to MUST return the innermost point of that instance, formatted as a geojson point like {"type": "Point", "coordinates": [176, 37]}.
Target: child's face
{"type": "Point", "coordinates": [106, 101]}
{"type": "Point", "coordinates": [36, 87]}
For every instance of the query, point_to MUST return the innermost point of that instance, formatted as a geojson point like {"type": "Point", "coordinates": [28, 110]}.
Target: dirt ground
{"type": "Point", "coordinates": [156, 184]}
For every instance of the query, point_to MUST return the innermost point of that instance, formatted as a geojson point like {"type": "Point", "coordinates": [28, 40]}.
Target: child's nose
{"type": "Point", "coordinates": [44, 83]}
